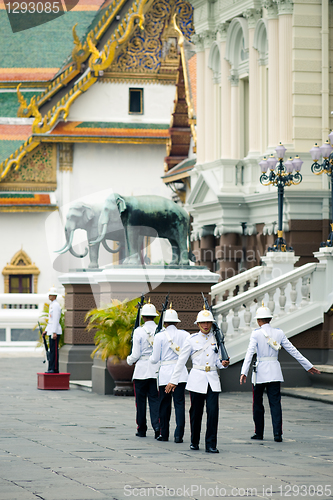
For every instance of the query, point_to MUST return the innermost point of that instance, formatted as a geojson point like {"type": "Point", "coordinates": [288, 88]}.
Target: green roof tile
{"type": "Point", "coordinates": [102, 125]}
{"type": "Point", "coordinates": [46, 46]}
{"type": "Point", "coordinates": [8, 147]}
{"type": "Point", "coordinates": [9, 103]}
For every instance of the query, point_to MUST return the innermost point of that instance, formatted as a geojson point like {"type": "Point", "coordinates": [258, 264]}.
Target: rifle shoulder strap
{"type": "Point", "coordinates": [174, 347]}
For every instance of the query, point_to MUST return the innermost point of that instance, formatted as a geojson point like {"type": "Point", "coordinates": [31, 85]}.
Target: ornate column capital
{"type": "Point", "coordinates": [234, 80]}
{"type": "Point", "coordinates": [271, 7]}
{"type": "Point", "coordinates": [222, 29]}
{"type": "Point", "coordinates": [209, 36]}
{"type": "Point", "coordinates": [198, 42]}
{"type": "Point", "coordinates": [252, 16]}
{"type": "Point", "coordinates": [285, 6]}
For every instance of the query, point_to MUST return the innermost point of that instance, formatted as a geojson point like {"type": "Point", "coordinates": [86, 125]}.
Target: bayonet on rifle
{"type": "Point", "coordinates": [45, 344]}
{"type": "Point", "coordinates": [164, 308]}
{"type": "Point", "coordinates": [137, 319]}
{"type": "Point", "coordinates": [217, 332]}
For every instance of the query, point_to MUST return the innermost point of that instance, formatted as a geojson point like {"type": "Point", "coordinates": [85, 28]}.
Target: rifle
{"type": "Point", "coordinates": [164, 307]}
{"type": "Point", "coordinates": [137, 319]}
{"type": "Point", "coordinates": [217, 332]}
{"type": "Point", "coordinates": [45, 344]}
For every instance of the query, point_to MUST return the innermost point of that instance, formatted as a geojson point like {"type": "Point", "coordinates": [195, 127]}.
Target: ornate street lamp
{"type": "Point", "coordinates": [326, 151]}
{"type": "Point", "coordinates": [280, 174]}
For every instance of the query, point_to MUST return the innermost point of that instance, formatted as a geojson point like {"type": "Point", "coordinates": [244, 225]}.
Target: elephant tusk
{"type": "Point", "coordinates": [78, 255]}
{"type": "Point", "coordinates": [68, 244]}
{"type": "Point", "coordinates": [106, 246]}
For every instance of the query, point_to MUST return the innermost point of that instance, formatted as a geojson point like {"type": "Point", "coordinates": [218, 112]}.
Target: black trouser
{"type": "Point", "coordinates": [144, 389]}
{"type": "Point", "coordinates": [54, 354]}
{"type": "Point", "coordinates": [165, 410]}
{"type": "Point", "coordinates": [196, 411]}
{"type": "Point", "coordinates": [274, 398]}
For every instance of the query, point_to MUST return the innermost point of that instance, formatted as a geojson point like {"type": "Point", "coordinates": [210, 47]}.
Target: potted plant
{"type": "Point", "coordinates": [113, 325]}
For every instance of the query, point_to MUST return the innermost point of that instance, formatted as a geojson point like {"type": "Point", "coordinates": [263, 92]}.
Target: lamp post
{"type": "Point", "coordinates": [280, 174]}
{"type": "Point", "coordinates": [326, 151]}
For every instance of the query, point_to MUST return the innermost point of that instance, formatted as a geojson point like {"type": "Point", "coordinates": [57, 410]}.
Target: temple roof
{"type": "Point", "coordinates": [103, 43]}
{"type": "Point", "coordinates": [23, 202]}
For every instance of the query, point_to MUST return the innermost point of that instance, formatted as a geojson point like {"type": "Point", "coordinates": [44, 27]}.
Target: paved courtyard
{"type": "Point", "coordinates": [76, 445]}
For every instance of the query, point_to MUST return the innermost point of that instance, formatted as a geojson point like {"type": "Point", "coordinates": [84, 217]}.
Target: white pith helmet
{"type": "Point", "coordinates": [204, 316]}
{"type": "Point", "coordinates": [53, 291]}
{"type": "Point", "coordinates": [263, 312]}
{"type": "Point", "coordinates": [171, 316]}
{"type": "Point", "coordinates": [148, 310]}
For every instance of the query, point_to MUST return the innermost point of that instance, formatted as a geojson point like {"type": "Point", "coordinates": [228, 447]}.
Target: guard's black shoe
{"type": "Point", "coordinates": [255, 436]}
{"type": "Point", "coordinates": [161, 438]}
{"type": "Point", "coordinates": [212, 450]}
{"type": "Point", "coordinates": [157, 433]}
{"type": "Point", "coordinates": [178, 440]}
{"type": "Point", "coordinates": [278, 438]}
{"type": "Point", "coordinates": [194, 446]}
{"type": "Point", "coordinates": [141, 434]}
{"type": "Point", "coordinates": [50, 371]}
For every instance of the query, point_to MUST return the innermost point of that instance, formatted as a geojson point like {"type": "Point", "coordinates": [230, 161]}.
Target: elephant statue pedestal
{"type": "Point", "coordinates": [87, 290]}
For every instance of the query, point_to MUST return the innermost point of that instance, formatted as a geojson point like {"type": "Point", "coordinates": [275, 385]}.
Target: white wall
{"type": "Point", "coordinates": [109, 102]}
{"type": "Point", "coordinates": [27, 231]}
{"type": "Point", "coordinates": [128, 169]}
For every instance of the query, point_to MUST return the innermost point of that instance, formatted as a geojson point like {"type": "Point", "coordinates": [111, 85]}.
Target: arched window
{"type": "Point", "coordinates": [260, 43]}
{"type": "Point", "coordinates": [237, 54]}
{"type": "Point", "coordinates": [21, 275]}
{"type": "Point", "coordinates": [214, 63]}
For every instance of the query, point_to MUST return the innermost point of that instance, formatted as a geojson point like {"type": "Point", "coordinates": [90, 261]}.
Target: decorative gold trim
{"type": "Point", "coordinates": [22, 209]}
{"type": "Point", "coordinates": [103, 140]}
{"type": "Point", "coordinates": [280, 234]}
{"type": "Point", "coordinates": [28, 186]}
{"type": "Point", "coordinates": [138, 77]}
{"type": "Point", "coordinates": [15, 268]}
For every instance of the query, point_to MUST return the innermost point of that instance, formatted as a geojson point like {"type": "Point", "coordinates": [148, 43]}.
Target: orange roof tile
{"type": "Point", "coordinates": [73, 129]}
{"type": "Point", "coordinates": [14, 132]}
{"type": "Point", "coordinates": [27, 74]}
{"type": "Point", "coordinates": [24, 199]}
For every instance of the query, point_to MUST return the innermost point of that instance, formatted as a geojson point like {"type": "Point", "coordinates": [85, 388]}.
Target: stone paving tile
{"type": "Point", "coordinates": [75, 445]}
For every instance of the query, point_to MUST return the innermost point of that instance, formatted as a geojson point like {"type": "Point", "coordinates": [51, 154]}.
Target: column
{"type": "Point", "coordinates": [285, 9]}
{"type": "Point", "coordinates": [198, 41]}
{"type": "Point", "coordinates": [225, 96]}
{"type": "Point", "coordinates": [273, 75]}
{"type": "Point", "coordinates": [234, 117]}
{"type": "Point", "coordinates": [252, 16]}
{"type": "Point", "coordinates": [209, 37]}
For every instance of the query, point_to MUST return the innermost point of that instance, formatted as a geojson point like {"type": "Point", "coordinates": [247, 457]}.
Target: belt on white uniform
{"type": "Point", "coordinates": [170, 362]}
{"type": "Point", "coordinates": [206, 368]}
{"type": "Point", "coordinates": [147, 356]}
{"type": "Point", "coordinates": [268, 358]}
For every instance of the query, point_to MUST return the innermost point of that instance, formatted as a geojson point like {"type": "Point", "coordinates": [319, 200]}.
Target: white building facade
{"type": "Point", "coordinates": [263, 77]}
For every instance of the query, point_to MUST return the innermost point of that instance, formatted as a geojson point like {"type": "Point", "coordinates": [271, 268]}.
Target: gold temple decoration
{"type": "Point", "coordinates": [20, 264]}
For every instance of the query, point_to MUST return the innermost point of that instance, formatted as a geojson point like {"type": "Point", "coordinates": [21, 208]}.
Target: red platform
{"type": "Point", "coordinates": [53, 381]}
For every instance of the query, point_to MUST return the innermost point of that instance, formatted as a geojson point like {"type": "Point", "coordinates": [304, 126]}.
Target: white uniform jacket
{"type": "Point", "coordinates": [53, 325]}
{"type": "Point", "coordinates": [199, 379]}
{"type": "Point", "coordinates": [270, 371]}
{"type": "Point", "coordinates": [163, 352]}
{"type": "Point", "coordinates": [142, 351]}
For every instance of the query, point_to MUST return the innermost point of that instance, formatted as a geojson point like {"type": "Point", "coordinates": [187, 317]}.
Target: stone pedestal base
{"type": "Point", "coordinates": [102, 382]}
{"type": "Point", "coordinates": [53, 381]}
{"type": "Point", "coordinates": [90, 289]}
{"type": "Point", "coordinates": [277, 264]}
{"type": "Point", "coordinates": [76, 360]}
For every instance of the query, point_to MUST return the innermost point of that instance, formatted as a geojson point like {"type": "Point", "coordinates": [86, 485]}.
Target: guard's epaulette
{"type": "Point", "coordinates": [257, 329]}
{"type": "Point", "coordinates": [194, 334]}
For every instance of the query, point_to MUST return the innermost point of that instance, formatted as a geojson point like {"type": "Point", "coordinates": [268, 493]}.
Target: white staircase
{"type": "Point", "coordinates": [298, 300]}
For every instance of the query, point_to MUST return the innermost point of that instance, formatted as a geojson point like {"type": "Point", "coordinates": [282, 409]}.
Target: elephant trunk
{"type": "Point", "coordinates": [101, 236]}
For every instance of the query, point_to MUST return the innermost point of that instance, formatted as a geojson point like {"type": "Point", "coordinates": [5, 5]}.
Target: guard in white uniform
{"type": "Point", "coordinates": [203, 380]}
{"type": "Point", "coordinates": [145, 373]}
{"type": "Point", "coordinates": [266, 342]}
{"type": "Point", "coordinates": [167, 347]}
{"type": "Point", "coordinates": [53, 330]}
